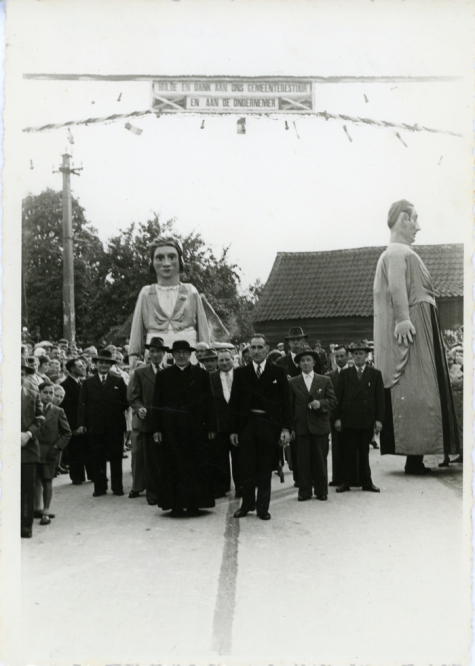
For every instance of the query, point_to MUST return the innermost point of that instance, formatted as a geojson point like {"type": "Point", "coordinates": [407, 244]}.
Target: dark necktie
{"type": "Point", "coordinates": [258, 371]}
{"type": "Point", "coordinates": [360, 372]}
{"type": "Point", "coordinates": [103, 379]}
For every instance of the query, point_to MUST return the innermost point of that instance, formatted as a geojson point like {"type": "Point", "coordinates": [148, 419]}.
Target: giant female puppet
{"type": "Point", "coordinates": [409, 351]}
{"type": "Point", "coordinates": [169, 309]}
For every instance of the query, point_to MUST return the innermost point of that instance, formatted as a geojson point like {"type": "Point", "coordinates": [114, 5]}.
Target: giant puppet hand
{"type": "Point", "coordinates": [404, 332]}
{"type": "Point", "coordinates": [234, 439]}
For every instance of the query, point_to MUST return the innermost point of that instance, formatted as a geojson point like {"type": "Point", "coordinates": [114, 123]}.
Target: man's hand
{"type": "Point", "coordinates": [404, 332]}
{"type": "Point", "coordinates": [338, 425]}
{"type": "Point", "coordinates": [142, 413]}
{"type": "Point", "coordinates": [80, 431]}
{"type": "Point", "coordinates": [378, 426]}
{"type": "Point", "coordinates": [285, 437]}
{"type": "Point", "coordinates": [157, 437]}
{"type": "Point", "coordinates": [234, 439]}
{"type": "Point", "coordinates": [315, 404]}
{"type": "Point", "coordinates": [25, 438]}
{"type": "Point", "coordinates": [211, 435]}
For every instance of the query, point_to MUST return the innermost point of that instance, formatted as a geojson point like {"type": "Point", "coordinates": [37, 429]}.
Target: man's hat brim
{"type": "Point", "coordinates": [30, 371]}
{"type": "Point", "coordinates": [360, 348]}
{"type": "Point", "coordinates": [104, 358]}
{"type": "Point", "coordinates": [296, 336]}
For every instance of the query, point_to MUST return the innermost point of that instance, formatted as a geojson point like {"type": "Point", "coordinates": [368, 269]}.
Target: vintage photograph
{"type": "Point", "coordinates": [237, 270]}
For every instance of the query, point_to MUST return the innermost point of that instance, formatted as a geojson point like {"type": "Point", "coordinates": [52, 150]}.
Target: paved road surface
{"type": "Point", "coordinates": [362, 578]}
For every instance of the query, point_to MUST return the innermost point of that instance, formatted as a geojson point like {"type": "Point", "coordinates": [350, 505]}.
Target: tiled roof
{"type": "Point", "coordinates": [339, 283]}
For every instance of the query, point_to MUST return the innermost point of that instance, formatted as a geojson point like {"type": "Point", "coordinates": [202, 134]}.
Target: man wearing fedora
{"type": "Point", "coordinates": [184, 423]}
{"type": "Point", "coordinates": [140, 395]}
{"type": "Point", "coordinates": [296, 340]}
{"type": "Point", "coordinates": [341, 360]}
{"type": "Point", "coordinates": [360, 412]}
{"type": "Point", "coordinates": [260, 416]}
{"type": "Point", "coordinates": [102, 403]}
{"type": "Point", "coordinates": [209, 360]}
{"type": "Point", "coordinates": [312, 398]}
{"type": "Point", "coordinates": [32, 418]}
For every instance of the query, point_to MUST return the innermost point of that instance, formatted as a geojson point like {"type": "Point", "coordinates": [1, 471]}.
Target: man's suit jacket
{"type": "Point", "coordinates": [31, 419]}
{"type": "Point", "coordinates": [273, 389]}
{"type": "Point", "coordinates": [286, 362]}
{"type": "Point", "coordinates": [140, 394]}
{"type": "Point", "coordinates": [54, 430]}
{"type": "Point", "coordinates": [334, 378]}
{"type": "Point", "coordinates": [101, 406]}
{"type": "Point", "coordinates": [360, 401]}
{"type": "Point", "coordinates": [71, 401]}
{"type": "Point", "coordinates": [315, 421]}
{"type": "Point", "coordinates": [222, 407]}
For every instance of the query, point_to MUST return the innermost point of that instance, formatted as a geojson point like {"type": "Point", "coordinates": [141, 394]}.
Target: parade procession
{"type": "Point", "coordinates": [238, 267]}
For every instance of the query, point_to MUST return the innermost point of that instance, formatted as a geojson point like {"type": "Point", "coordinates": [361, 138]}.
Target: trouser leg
{"type": "Point", "coordinates": [294, 452]}
{"type": "Point", "coordinates": [267, 440]}
{"type": "Point", "coordinates": [151, 453]}
{"type": "Point", "coordinates": [76, 458]}
{"type": "Point", "coordinates": [27, 494]}
{"type": "Point", "coordinates": [319, 455]}
{"type": "Point", "coordinates": [116, 448]}
{"type": "Point", "coordinates": [138, 462]}
{"type": "Point", "coordinates": [414, 463]}
{"type": "Point", "coordinates": [305, 467]}
{"type": "Point", "coordinates": [99, 459]}
{"type": "Point", "coordinates": [364, 439]}
{"type": "Point", "coordinates": [336, 457]}
{"type": "Point", "coordinates": [234, 450]}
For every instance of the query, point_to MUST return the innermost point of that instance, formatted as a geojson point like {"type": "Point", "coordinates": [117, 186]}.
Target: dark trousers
{"type": "Point", "coordinates": [337, 463]}
{"type": "Point", "coordinates": [313, 452]}
{"type": "Point", "coordinates": [294, 454]}
{"type": "Point", "coordinates": [414, 463]}
{"type": "Point", "coordinates": [80, 458]}
{"type": "Point", "coordinates": [223, 468]}
{"type": "Point", "coordinates": [151, 457]}
{"type": "Point", "coordinates": [27, 495]}
{"type": "Point", "coordinates": [106, 447]}
{"type": "Point", "coordinates": [138, 462]}
{"type": "Point", "coordinates": [355, 445]}
{"type": "Point", "coordinates": [258, 442]}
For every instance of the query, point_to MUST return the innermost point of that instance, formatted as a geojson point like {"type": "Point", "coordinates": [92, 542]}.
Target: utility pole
{"type": "Point", "coordinates": [69, 317]}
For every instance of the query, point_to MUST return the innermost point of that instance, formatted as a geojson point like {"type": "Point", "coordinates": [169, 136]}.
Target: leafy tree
{"type": "Point", "coordinates": [42, 262]}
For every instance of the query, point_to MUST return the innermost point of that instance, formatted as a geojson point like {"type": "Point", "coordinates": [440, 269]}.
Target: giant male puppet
{"type": "Point", "coordinates": [409, 351]}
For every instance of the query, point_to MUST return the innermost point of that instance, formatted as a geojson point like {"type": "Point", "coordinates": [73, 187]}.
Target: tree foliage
{"type": "Point", "coordinates": [109, 279]}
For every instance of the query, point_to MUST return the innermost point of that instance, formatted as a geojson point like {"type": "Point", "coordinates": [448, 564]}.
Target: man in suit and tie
{"type": "Point", "coordinates": [221, 383]}
{"type": "Point", "coordinates": [260, 416]}
{"type": "Point", "coordinates": [341, 360]}
{"type": "Point", "coordinates": [32, 418]}
{"type": "Point", "coordinates": [140, 396]}
{"type": "Point", "coordinates": [360, 412]}
{"type": "Point", "coordinates": [102, 403]}
{"type": "Point", "coordinates": [296, 340]}
{"type": "Point", "coordinates": [312, 398]}
{"type": "Point", "coordinates": [80, 458]}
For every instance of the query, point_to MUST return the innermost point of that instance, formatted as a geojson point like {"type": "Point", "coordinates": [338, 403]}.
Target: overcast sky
{"type": "Point", "coordinates": [307, 188]}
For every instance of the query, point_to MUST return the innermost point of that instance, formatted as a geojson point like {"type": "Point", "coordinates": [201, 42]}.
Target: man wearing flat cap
{"type": "Point", "coordinates": [360, 413]}
{"type": "Point", "coordinates": [296, 340]}
{"type": "Point", "coordinates": [410, 352]}
{"type": "Point", "coordinates": [140, 393]}
{"type": "Point", "coordinates": [102, 403]}
{"type": "Point", "coordinates": [312, 398]}
{"type": "Point", "coordinates": [184, 425]}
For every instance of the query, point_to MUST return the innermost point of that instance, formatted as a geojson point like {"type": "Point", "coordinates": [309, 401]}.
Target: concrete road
{"type": "Point", "coordinates": [362, 578]}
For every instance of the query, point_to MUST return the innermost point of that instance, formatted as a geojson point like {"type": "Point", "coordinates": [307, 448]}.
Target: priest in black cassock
{"type": "Point", "coordinates": [184, 424]}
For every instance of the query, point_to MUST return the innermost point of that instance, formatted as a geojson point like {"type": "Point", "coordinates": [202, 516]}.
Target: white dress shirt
{"type": "Point", "coordinates": [263, 366]}
{"type": "Point", "coordinates": [224, 383]}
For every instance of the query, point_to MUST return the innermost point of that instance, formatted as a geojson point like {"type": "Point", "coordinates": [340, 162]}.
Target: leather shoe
{"type": "Point", "coordinates": [133, 494]}
{"type": "Point", "coordinates": [343, 489]}
{"type": "Point", "coordinates": [45, 520]}
{"type": "Point", "coordinates": [240, 513]}
{"type": "Point", "coordinates": [303, 499]}
{"type": "Point", "coordinates": [152, 502]}
{"type": "Point", "coordinates": [419, 471]}
{"type": "Point", "coordinates": [26, 534]}
{"type": "Point", "coordinates": [371, 488]}
{"type": "Point", "coordinates": [77, 483]}
{"type": "Point", "coordinates": [37, 514]}
{"type": "Point", "coordinates": [119, 493]}
{"type": "Point", "coordinates": [177, 513]}
{"type": "Point", "coordinates": [322, 498]}
{"type": "Point", "coordinates": [264, 516]}
{"type": "Point", "coordinates": [104, 492]}
{"type": "Point", "coordinates": [296, 485]}
{"type": "Point", "coordinates": [333, 483]}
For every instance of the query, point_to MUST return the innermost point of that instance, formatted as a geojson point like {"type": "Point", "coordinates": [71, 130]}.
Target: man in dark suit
{"type": "Point", "coordinates": [312, 398]}
{"type": "Point", "coordinates": [221, 384]}
{"type": "Point", "coordinates": [296, 340]}
{"type": "Point", "coordinates": [184, 423]}
{"type": "Point", "coordinates": [102, 403]}
{"type": "Point", "coordinates": [31, 420]}
{"type": "Point", "coordinates": [260, 415]}
{"type": "Point", "coordinates": [80, 458]}
{"type": "Point", "coordinates": [140, 395]}
{"type": "Point", "coordinates": [341, 360]}
{"type": "Point", "coordinates": [360, 412]}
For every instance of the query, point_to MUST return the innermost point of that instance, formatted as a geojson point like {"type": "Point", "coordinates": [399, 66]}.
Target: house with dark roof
{"type": "Point", "coordinates": [330, 294]}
